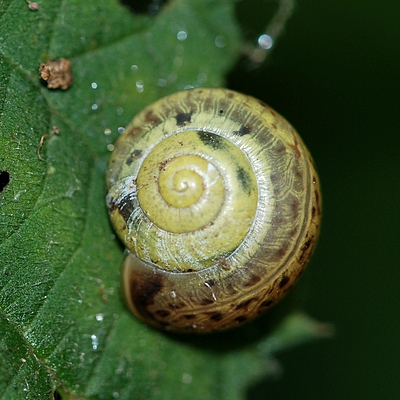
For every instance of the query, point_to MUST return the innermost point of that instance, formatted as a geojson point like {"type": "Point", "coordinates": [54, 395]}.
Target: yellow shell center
{"type": "Point", "coordinates": [195, 198]}
{"type": "Point", "coordinates": [180, 183]}
{"type": "Point", "coordinates": [181, 193]}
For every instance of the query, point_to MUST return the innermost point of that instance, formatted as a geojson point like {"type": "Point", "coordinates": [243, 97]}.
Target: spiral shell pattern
{"type": "Point", "coordinates": [217, 200]}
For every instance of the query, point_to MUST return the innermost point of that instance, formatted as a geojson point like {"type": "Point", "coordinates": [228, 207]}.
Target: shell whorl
{"type": "Point", "coordinates": [217, 200]}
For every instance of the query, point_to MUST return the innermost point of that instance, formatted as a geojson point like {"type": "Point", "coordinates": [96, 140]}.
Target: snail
{"type": "Point", "coordinates": [217, 200]}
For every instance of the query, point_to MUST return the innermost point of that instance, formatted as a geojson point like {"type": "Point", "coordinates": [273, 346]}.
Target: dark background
{"type": "Point", "coordinates": [335, 76]}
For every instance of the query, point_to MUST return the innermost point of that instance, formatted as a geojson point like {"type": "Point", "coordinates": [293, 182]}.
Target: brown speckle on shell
{"type": "Point", "coordinates": [252, 280]}
{"type": "Point", "coordinates": [216, 316]}
{"type": "Point", "coordinates": [151, 118]}
{"type": "Point", "coordinates": [224, 263]}
{"type": "Point", "coordinates": [244, 130]}
{"type": "Point", "coordinates": [206, 302]}
{"type": "Point", "coordinates": [142, 293]}
{"type": "Point", "coordinates": [241, 319]}
{"type": "Point", "coordinates": [284, 280]}
{"type": "Point", "coordinates": [183, 119]}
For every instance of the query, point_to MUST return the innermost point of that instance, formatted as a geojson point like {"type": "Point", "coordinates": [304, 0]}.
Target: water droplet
{"type": "Point", "coordinates": [182, 35]}
{"type": "Point", "coordinates": [173, 294]}
{"type": "Point", "coordinates": [238, 381]}
{"type": "Point", "coordinates": [202, 78]}
{"type": "Point", "coordinates": [120, 129]}
{"type": "Point", "coordinates": [140, 86]}
{"type": "Point", "coordinates": [187, 378]}
{"type": "Point", "coordinates": [162, 82]}
{"type": "Point", "coordinates": [115, 395]}
{"type": "Point", "coordinates": [99, 317]}
{"type": "Point", "coordinates": [110, 147]}
{"type": "Point", "coordinates": [95, 107]}
{"type": "Point", "coordinates": [172, 77]}
{"type": "Point", "coordinates": [107, 131]}
{"type": "Point", "coordinates": [16, 197]}
{"type": "Point", "coordinates": [265, 42]}
{"type": "Point", "coordinates": [95, 342]}
{"type": "Point", "coordinates": [153, 7]}
{"type": "Point", "coordinates": [120, 110]}
{"type": "Point", "coordinates": [134, 67]}
{"type": "Point", "coordinates": [179, 49]}
{"type": "Point", "coordinates": [178, 61]}
{"type": "Point", "coordinates": [220, 41]}
{"type": "Point", "coordinates": [93, 85]}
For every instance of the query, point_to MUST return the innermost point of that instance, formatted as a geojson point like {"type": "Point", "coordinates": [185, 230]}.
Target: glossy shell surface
{"type": "Point", "coordinates": [217, 200]}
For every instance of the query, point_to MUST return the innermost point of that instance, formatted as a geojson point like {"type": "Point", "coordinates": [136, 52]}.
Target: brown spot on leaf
{"type": "Point", "coordinates": [57, 73]}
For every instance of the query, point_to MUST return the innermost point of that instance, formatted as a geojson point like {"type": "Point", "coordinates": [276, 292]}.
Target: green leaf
{"type": "Point", "coordinates": [63, 325]}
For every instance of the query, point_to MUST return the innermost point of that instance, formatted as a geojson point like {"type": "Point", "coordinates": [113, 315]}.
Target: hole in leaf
{"type": "Point", "coordinates": [57, 395]}
{"type": "Point", "coordinates": [4, 179]}
{"type": "Point", "coordinates": [144, 6]}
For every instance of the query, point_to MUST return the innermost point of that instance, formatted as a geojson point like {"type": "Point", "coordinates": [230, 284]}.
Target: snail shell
{"type": "Point", "coordinates": [217, 200]}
